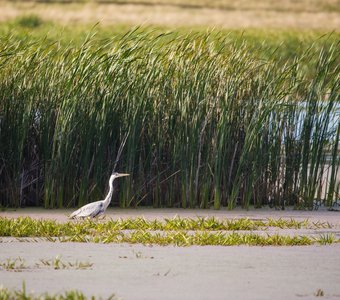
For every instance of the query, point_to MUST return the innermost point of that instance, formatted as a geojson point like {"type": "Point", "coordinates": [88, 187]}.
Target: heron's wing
{"type": "Point", "coordinates": [88, 210]}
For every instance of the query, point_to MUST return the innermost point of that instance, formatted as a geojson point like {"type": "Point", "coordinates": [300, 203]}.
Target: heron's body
{"type": "Point", "coordinates": [97, 208]}
{"type": "Point", "coordinates": [92, 210]}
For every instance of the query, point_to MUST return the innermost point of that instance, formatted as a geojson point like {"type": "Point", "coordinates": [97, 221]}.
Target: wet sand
{"type": "Point", "coordinates": [197, 272]}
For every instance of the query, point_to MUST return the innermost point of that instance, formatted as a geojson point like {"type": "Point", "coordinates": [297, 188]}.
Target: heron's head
{"type": "Point", "coordinates": [116, 175]}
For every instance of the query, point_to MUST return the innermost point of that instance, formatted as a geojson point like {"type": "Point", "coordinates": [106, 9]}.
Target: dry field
{"type": "Point", "coordinates": [303, 14]}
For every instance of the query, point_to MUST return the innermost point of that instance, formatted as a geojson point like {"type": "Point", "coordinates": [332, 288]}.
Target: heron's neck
{"type": "Point", "coordinates": [108, 197]}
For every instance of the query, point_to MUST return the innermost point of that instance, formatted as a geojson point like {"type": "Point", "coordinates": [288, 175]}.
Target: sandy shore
{"type": "Point", "coordinates": [61, 215]}
{"type": "Point", "coordinates": [141, 272]}
{"type": "Point", "coordinates": [155, 272]}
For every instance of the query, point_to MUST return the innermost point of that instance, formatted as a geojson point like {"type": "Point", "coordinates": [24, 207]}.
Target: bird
{"type": "Point", "coordinates": [97, 208]}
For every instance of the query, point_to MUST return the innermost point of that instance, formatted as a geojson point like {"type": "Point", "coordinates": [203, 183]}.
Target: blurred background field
{"type": "Point", "coordinates": [223, 103]}
{"type": "Point", "coordinates": [303, 14]}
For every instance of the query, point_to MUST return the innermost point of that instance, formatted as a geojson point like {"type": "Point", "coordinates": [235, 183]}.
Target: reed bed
{"type": "Point", "coordinates": [208, 122]}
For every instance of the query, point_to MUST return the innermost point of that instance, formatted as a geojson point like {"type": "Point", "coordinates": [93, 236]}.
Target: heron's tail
{"type": "Point", "coordinates": [74, 214]}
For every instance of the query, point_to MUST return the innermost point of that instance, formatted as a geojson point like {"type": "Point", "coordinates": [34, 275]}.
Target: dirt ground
{"type": "Point", "coordinates": [162, 14]}
{"type": "Point", "coordinates": [168, 272]}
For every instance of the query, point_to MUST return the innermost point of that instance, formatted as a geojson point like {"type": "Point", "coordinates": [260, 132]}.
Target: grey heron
{"type": "Point", "coordinates": [97, 208]}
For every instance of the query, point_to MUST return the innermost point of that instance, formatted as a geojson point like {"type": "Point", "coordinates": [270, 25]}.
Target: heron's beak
{"type": "Point", "coordinates": [122, 174]}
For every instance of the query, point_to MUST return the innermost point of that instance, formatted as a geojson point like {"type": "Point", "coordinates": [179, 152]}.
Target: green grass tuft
{"type": "Point", "coordinates": [22, 294]}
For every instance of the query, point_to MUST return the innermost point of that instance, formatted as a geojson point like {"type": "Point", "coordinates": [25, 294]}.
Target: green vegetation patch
{"type": "Point", "coordinates": [183, 238]}
{"type": "Point", "coordinates": [205, 238]}
{"type": "Point", "coordinates": [19, 264]}
{"type": "Point", "coordinates": [28, 227]}
{"type": "Point", "coordinates": [16, 265]}
{"type": "Point", "coordinates": [23, 294]}
{"type": "Point", "coordinates": [58, 263]}
{"type": "Point", "coordinates": [176, 231]}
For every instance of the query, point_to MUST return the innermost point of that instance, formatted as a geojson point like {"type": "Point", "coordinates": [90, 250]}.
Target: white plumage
{"type": "Point", "coordinates": [97, 208]}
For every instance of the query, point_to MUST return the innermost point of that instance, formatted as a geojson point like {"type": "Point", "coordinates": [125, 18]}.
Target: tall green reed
{"type": "Point", "coordinates": [209, 123]}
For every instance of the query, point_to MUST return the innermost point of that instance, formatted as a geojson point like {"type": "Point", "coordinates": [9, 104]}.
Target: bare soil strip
{"type": "Point", "coordinates": [61, 215]}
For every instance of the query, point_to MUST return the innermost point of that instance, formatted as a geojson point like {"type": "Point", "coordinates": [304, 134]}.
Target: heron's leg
{"type": "Point", "coordinates": [102, 217]}
{"type": "Point", "coordinates": [98, 217]}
